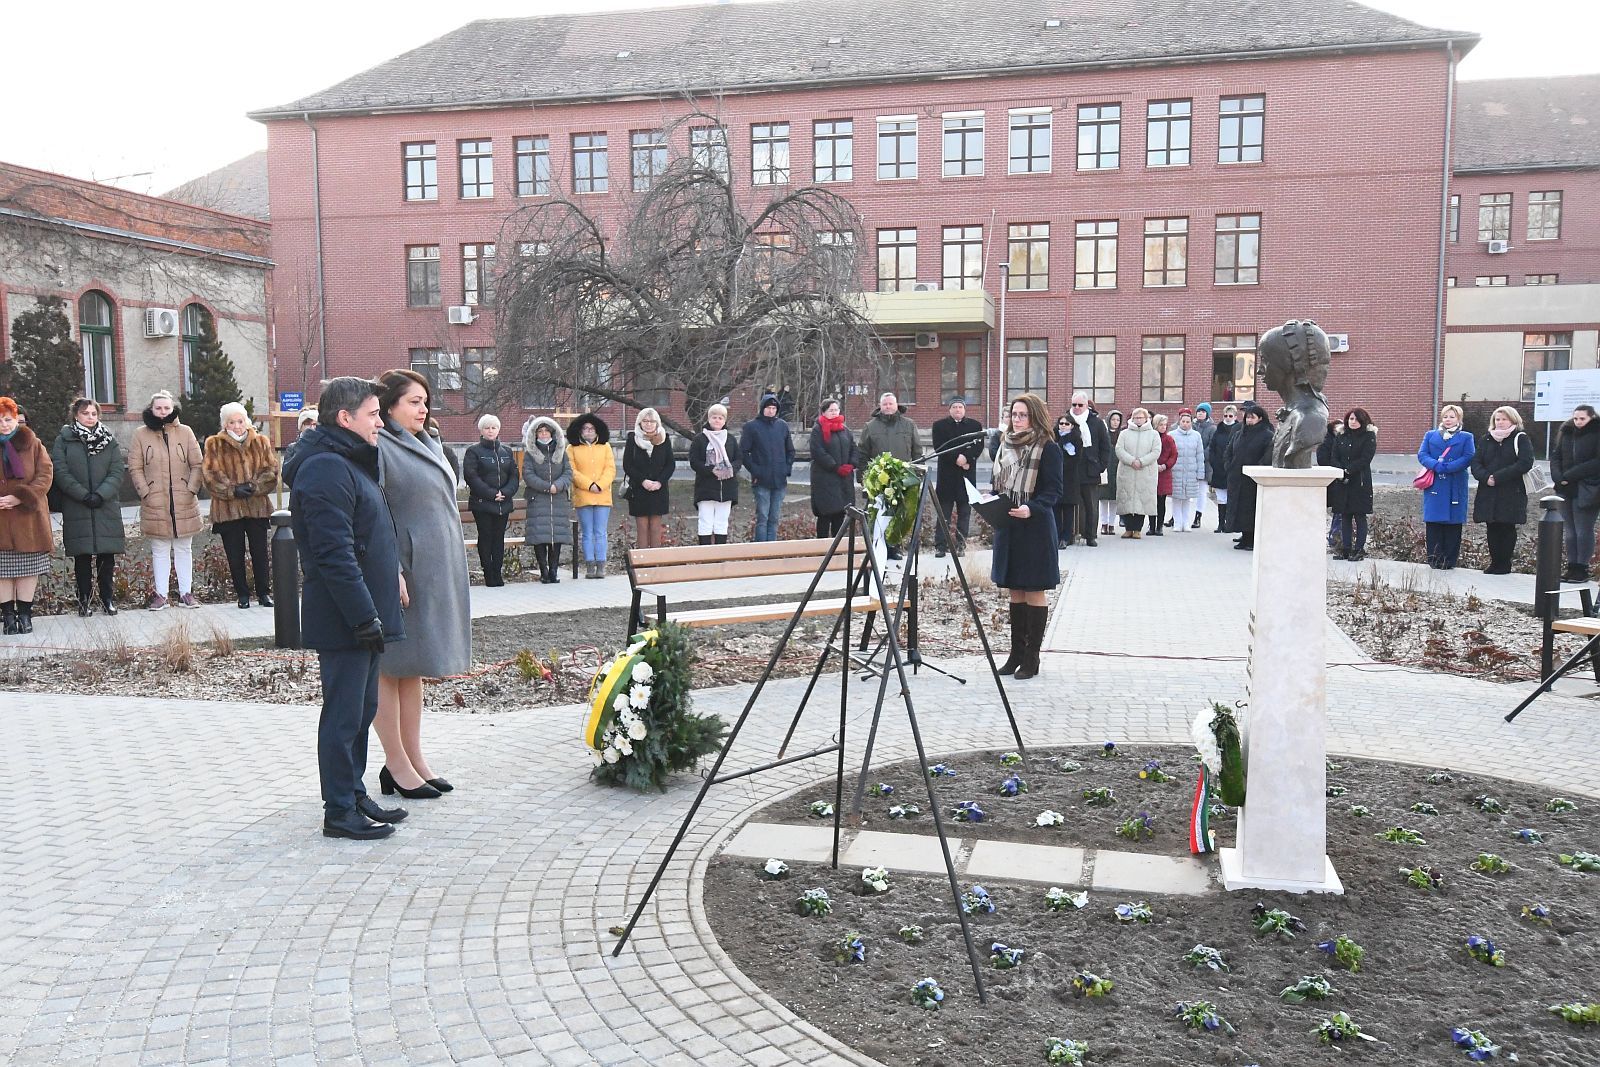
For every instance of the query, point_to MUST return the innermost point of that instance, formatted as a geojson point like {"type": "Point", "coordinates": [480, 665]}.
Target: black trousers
{"type": "Point", "coordinates": [349, 704]}
{"type": "Point", "coordinates": [1088, 511]}
{"type": "Point", "coordinates": [83, 568]}
{"type": "Point", "coordinates": [953, 497]}
{"type": "Point", "coordinates": [1354, 527]}
{"type": "Point", "coordinates": [830, 525]}
{"type": "Point", "coordinates": [1160, 518]}
{"type": "Point", "coordinates": [491, 545]}
{"type": "Point", "coordinates": [1444, 544]}
{"type": "Point", "coordinates": [1502, 538]}
{"type": "Point", "coordinates": [234, 534]}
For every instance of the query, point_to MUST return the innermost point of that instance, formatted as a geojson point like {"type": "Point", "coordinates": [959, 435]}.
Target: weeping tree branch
{"type": "Point", "coordinates": [689, 289]}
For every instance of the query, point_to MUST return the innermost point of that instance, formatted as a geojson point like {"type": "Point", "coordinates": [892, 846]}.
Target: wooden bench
{"type": "Point", "coordinates": [519, 513]}
{"type": "Point", "coordinates": [658, 572]}
{"type": "Point", "coordinates": [1585, 625]}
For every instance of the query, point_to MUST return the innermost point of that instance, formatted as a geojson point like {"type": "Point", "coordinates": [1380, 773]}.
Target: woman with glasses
{"type": "Point", "coordinates": [1027, 468]}
{"type": "Point", "coordinates": [1069, 438]}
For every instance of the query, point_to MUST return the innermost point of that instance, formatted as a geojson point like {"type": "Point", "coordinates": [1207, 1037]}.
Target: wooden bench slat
{"type": "Point", "coordinates": [472, 542]}
{"type": "Point", "coordinates": [650, 557]}
{"type": "Point", "coordinates": [733, 568]}
{"type": "Point", "coordinates": [767, 612]}
{"type": "Point", "coordinates": [1587, 627]}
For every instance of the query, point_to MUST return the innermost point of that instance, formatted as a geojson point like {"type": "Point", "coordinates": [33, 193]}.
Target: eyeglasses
{"type": "Point", "coordinates": [1079, 404]}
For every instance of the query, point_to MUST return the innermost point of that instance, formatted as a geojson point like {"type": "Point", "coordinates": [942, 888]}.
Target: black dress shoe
{"type": "Point", "coordinates": [390, 787]}
{"type": "Point", "coordinates": [244, 602]}
{"type": "Point", "coordinates": [372, 810]}
{"type": "Point", "coordinates": [85, 607]}
{"type": "Point", "coordinates": [441, 785]}
{"type": "Point", "coordinates": [109, 605]}
{"type": "Point", "coordinates": [354, 825]}
{"type": "Point", "coordinates": [265, 600]}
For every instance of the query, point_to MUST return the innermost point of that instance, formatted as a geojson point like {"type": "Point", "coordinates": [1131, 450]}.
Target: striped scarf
{"type": "Point", "coordinates": [1016, 468]}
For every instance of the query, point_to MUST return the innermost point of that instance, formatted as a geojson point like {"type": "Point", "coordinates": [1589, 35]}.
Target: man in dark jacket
{"type": "Point", "coordinates": [957, 467]}
{"type": "Point", "coordinates": [890, 430]}
{"type": "Point", "coordinates": [768, 450]}
{"type": "Point", "coordinates": [1093, 460]}
{"type": "Point", "coordinates": [350, 604]}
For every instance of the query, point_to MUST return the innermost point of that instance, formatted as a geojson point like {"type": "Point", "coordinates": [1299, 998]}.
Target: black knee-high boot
{"type": "Point", "coordinates": [1019, 638]}
{"type": "Point", "coordinates": [1037, 618]}
{"type": "Point", "coordinates": [555, 564]}
{"type": "Point", "coordinates": [541, 556]}
{"type": "Point", "coordinates": [8, 613]}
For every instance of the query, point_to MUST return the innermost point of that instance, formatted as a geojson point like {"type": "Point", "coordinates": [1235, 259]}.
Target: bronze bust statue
{"type": "Point", "coordinates": [1294, 363]}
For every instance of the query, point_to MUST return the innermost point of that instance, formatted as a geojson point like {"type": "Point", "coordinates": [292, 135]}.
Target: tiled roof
{"type": "Point", "coordinates": [240, 188]}
{"type": "Point", "coordinates": [736, 46]}
{"type": "Point", "coordinates": [1528, 123]}
{"type": "Point", "coordinates": [37, 196]}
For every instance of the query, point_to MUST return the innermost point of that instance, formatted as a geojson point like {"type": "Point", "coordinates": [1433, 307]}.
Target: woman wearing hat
{"type": "Point", "coordinates": [240, 470]}
{"type": "Point", "coordinates": [594, 469]}
{"type": "Point", "coordinates": [1189, 472]}
{"type": "Point", "coordinates": [25, 538]}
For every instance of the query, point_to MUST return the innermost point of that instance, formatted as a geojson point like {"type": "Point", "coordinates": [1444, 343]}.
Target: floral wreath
{"type": "Point", "coordinates": [1216, 735]}
{"type": "Point", "coordinates": [893, 488]}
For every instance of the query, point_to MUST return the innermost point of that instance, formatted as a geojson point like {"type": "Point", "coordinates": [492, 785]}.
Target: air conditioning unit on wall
{"type": "Point", "coordinates": [459, 315]}
{"type": "Point", "coordinates": [1338, 342]}
{"type": "Point", "coordinates": [925, 287]}
{"type": "Point", "coordinates": [160, 322]}
{"type": "Point", "coordinates": [1499, 248]}
{"type": "Point", "coordinates": [927, 340]}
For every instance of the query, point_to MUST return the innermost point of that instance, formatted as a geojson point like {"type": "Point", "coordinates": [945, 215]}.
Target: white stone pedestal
{"type": "Point", "coordinates": [1282, 828]}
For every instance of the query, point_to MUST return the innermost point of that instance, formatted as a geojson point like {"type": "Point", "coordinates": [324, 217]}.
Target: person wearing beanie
{"type": "Point", "coordinates": [1207, 429]}
{"type": "Point", "coordinates": [768, 449]}
{"type": "Point", "coordinates": [957, 467]}
{"type": "Point", "coordinates": [1189, 472]}
{"type": "Point", "coordinates": [167, 469]}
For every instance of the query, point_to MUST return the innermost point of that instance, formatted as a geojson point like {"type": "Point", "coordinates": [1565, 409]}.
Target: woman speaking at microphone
{"type": "Point", "coordinates": [1027, 469]}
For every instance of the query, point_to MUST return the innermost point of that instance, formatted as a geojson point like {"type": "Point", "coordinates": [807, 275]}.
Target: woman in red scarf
{"type": "Point", "coordinates": [833, 465]}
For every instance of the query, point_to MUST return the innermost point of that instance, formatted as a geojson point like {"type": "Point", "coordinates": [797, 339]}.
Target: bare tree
{"type": "Point", "coordinates": [695, 289]}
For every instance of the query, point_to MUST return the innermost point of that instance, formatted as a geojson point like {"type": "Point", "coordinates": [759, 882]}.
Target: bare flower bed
{"type": "Point", "coordinates": [1443, 631]}
{"type": "Point", "coordinates": [535, 660]}
{"type": "Point", "coordinates": [1416, 981]}
{"type": "Point", "coordinates": [1397, 532]}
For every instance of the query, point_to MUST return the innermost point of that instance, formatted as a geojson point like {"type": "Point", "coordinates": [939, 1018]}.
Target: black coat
{"type": "Point", "coordinates": [1096, 456]}
{"type": "Point", "coordinates": [708, 486]}
{"type": "Point", "coordinates": [1330, 440]}
{"type": "Point", "coordinates": [348, 549]}
{"type": "Point", "coordinates": [832, 492]}
{"type": "Point", "coordinates": [1025, 552]}
{"type": "Point", "coordinates": [1073, 464]}
{"type": "Point", "coordinates": [1575, 463]}
{"type": "Point", "coordinates": [1507, 461]}
{"type": "Point", "coordinates": [1353, 452]}
{"type": "Point", "coordinates": [656, 466]}
{"type": "Point", "coordinates": [1253, 448]}
{"type": "Point", "coordinates": [490, 467]}
{"type": "Point", "coordinates": [945, 431]}
{"type": "Point", "coordinates": [1219, 454]}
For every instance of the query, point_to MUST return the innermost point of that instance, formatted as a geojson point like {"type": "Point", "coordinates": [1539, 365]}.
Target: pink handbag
{"type": "Point", "coordinates": [1424, 480]}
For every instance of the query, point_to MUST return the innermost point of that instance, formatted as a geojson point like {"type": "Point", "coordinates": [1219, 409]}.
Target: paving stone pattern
{"type": "Point", "coordinates": [169, 898]}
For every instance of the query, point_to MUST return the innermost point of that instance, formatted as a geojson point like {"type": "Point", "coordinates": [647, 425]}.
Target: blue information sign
{"type": "Point", "coordinates": [291, 401]}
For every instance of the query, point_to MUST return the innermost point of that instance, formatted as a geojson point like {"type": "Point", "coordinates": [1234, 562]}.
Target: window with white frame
{"type": "Point", "coordinates": [1455, 217]}
{"type": "Point", "coordinates": [1161, 370]}
{"type": "Point", "coordinates": [1544, 215]}
{"type": "Point", "coordinates": [1027, 367]}
{"type": "Point", "coordinates": [1166, 252]}
{"type": "Point", "coordinates": [647, 157]}
{"type": "Point", "coordinates": [963, 144]}
{"type": "Point", "coordinates": [477, 275]}
{"type": "Point", "coordinates": [422, 276]}
{"type": "Point", "coordinates": [1491, 281]}
{"type": "Point", "coordinates": [963, 257]}
{"type": "Point", "coordinates": [708, 147]}
{"type": "Point", "coordinates": [421, 160]}
{"type": "Point", "coordinates": [897, 260]}
{"type": "Point", "coordinates": [1166, 133]}
{"type": "Point", "coordinates": [833, 150]}
{"type": "Point", "coordinates": [591, 165]}
{"type": "Point", "coordinates": [897, 147]}
{"type": "Point", "coordinates": [477, 169]}
{"type": "Point", "coordinates": [1539, 279]}
{"type": "Point", "coordinates": [1238, 250]}
{"type": "Point", "coordinates": [1543, 352]}
{"type": "Point", "coordinates": [1030, 140]}
{"type": "Point", "coordinates": [1099, 136]}
{"type": "Point", "coordinates": [532, 159]}
{"type": "Point", "coordinates": [1028, 256]}
{"type": "Point", "coordinates": [1494, 217]}
{"type": "Point", "coordinates": [769, 153]}
{"type": "Point", "coordinates": [1096, 255]}
{"type": "Point", "coordinates": [1241, 128]}
{"type": "Point", "coordinates": [1233, 367]}
{"type": "Point", "coordinates": [1094, 368]}
{"type": "Point", "coordinates": [961, 369]}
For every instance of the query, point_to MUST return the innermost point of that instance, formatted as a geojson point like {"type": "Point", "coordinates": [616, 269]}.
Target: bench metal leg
{"type": "Point", "coordinates": [633, 618]}
{"type": "Point", "coordinates": [1591, 648]}
{"type": "Point", "coordinates": [1588, 601]}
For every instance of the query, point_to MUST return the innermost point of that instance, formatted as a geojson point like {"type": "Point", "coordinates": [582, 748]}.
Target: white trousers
{"type": "Point", "coordinates": [1222, 495]}
{"type": "Point", "coordinates": [168, 554]}
{"type": "Point", "coordinates": [713, 515]}
{"type": "Point", "coordinates": [1108, 513]}
{"type": "Point", "coordinates": [1183, 512]}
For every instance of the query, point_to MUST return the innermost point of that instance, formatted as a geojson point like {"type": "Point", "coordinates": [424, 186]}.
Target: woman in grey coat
{"type": "Point", "coordinates": [89, 470]}
{"type": "Point", "coordinates": [548, 472]}
{"type": "Point", "coordinates": [420, 486]}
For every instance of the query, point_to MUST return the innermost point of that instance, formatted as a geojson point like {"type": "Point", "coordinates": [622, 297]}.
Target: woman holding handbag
{"type": "Point", "coordinates": [1445, 454]}
{"type": "Point", "coordinates": [647, 461]}
{"type": "Point", "coordinates": [1501, 504]}
{"type": "Point", "coordinates": [1353, 452]}
{"type": "Point", "coordinates": [714, 456]}
{"type": "Point", "coordinates": [1575, 470]}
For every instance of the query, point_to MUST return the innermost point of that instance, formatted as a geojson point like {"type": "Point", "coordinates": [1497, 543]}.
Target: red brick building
{"type": "Point", "coordinates": [1165, 181]}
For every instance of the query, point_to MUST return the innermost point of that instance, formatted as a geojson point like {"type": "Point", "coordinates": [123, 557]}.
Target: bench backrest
{"type": "Point", "coordinates": [760, 559]}
{"type": "Point", "coordinates": [519, 513]}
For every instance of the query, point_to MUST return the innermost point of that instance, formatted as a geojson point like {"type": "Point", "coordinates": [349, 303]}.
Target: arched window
{"type": "Point", "coordinates": [195, 320]}
{"type": "Point", "coordinates": [99, 356]}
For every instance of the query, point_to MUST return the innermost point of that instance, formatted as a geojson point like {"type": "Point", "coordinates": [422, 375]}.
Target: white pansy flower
{"type": "Point", "coordinates": [643, 672]}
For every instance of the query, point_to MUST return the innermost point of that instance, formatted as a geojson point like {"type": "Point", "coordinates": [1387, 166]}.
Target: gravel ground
{"type": "Point", "coordinates": [1416, 981]}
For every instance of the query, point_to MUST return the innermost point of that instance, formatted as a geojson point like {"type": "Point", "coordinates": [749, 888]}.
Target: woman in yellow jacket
{"type": "Point", "coordinates": [594, 468]}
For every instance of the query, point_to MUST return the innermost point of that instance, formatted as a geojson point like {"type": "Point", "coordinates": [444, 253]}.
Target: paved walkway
{"type": "Point", "coordinates": [169, 899]}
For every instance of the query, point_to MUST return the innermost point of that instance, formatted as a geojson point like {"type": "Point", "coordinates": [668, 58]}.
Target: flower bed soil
{"type": "Point", "coordinates": [1415, 984]}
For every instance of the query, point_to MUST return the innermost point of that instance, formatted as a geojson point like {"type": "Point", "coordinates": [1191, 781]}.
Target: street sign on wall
{"type": "Point", "coordinates": [288, 402]}
{"type": "Point", "coordinates": [1557, 392]}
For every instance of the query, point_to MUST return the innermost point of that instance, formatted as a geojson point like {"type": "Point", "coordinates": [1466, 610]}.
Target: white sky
{"type": "Point", "coordinates": [149, 95]}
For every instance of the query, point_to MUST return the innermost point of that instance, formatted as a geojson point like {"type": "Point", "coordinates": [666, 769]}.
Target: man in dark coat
{"type": "Point", "coordinates": [768, 449]}
{"type": "Point", "coordinates": [1093, 459]}
{"type": "Point", "coordinates": [957, 467]}
{"type": "Point", "coordinates": [351, 601]}
{"type": "Point", "coordinates": [890, 430]}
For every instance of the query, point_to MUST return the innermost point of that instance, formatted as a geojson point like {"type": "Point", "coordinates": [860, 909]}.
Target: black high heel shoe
{"type": "Point", "coordinates": [440, 784]}
{"type": "Point", "coordinates": [390, 787]}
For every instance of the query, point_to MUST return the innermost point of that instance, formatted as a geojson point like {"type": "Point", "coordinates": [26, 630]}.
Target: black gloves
{"type": "Point", "coordinates": [369, 636]}
{"type": "Point", "coordinates": [94, 500]}
{"type": "Point", "coordinates": [243, 491]}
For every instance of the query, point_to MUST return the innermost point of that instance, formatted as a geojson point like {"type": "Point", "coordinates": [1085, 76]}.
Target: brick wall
{"type": "Point", "coordinates": [1574, 256]}
{"type": "Point", "coordinates": [1349, 194]}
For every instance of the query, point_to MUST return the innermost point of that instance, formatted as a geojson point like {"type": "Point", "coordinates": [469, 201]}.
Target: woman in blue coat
{"type": "Point", "coordinates": [1446, 451]}
{"type": "Point", "coordinates": [1027, 468]}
